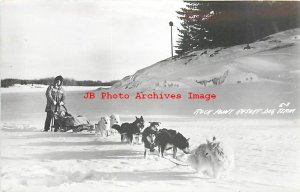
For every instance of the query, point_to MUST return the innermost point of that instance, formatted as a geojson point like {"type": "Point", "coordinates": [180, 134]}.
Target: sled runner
{"type": "Point", "coordinates": [67, 122]}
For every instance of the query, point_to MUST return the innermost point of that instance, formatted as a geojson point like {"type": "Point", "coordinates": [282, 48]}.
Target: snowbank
{"type": "Point", "coordinates": [266, 159]}
{"type": "Point", "coordinates": [271, 59]}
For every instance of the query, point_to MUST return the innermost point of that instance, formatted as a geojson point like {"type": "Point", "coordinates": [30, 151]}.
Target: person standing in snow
{"type": "Point", "coordinates": [55, 98]}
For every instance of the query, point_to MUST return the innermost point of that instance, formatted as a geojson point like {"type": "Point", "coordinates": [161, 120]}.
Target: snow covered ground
{"type": "Point", "coordinates": [267, 156]}
{"type": "Point", "coordinates": [266, 147]}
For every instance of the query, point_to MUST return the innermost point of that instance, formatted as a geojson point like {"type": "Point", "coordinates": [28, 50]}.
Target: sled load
{"type": "Point", "coordinates": [67, 122]}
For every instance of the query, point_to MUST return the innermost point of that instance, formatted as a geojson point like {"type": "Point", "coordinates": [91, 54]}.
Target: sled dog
{"type": "Point", "coordinates": [128, 130]}
{"type": "Point", "coordinates": [170, 139]}
{"type": "Point", "coordinates": [114, 119]}
{"type": "Point", "coordinates": [148, 137]}
{"type": "Point", "coordinates": [103, 127]}
{"type": "Point", "coordinates": [212, 159]}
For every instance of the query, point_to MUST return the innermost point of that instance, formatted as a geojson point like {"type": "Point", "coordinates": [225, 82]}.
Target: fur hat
{"type": "Point", "coordinates": [58, 78]}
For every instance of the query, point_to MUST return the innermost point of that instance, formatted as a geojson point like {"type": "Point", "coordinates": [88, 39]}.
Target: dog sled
{"type": "Point", "coordinates": [68, 122]}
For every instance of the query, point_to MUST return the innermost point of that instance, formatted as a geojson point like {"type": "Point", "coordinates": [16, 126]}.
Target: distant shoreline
{"type": "Point", "coordinates": [18, 88]}
{"type": "Point", "coordinates": [9, 82]}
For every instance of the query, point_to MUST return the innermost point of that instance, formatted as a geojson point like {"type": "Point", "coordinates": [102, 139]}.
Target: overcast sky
{"type": "Point", "coordinates": [84, 39]}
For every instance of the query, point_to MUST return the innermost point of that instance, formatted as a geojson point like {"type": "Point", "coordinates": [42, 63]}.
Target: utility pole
{"type": "Point", "coordinates": [171, 25]}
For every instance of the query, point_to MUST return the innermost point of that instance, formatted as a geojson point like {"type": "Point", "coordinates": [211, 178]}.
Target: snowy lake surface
{"type": "Point", "coordinates": [267, 151]}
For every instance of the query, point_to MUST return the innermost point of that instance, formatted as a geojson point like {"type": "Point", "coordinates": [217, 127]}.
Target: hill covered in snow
{"type": "Point", "coordinates": [273, 59]}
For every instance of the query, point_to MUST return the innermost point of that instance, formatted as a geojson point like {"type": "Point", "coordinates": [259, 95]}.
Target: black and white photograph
{"type": "Point", "coordinates": [149, 95]}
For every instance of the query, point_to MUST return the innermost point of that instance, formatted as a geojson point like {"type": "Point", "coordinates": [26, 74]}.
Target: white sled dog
{"type": "Point", "coordinates": [103, 127]}
{"type": "Point", "coordinates": [212, 159]}
{"type": "Point", "coordinates": [114, 119]}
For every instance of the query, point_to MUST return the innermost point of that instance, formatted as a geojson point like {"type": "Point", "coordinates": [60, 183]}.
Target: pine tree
{"type": "Point", "coordinates": [192, 33]}
{"type": "Point", "coordinates": [222, 24]}
{"type": "Point", "coordinates": [184, 42]}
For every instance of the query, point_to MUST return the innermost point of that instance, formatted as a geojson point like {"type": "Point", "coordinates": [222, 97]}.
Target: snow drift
{"type": "Point", "coordinates": [271, 59]}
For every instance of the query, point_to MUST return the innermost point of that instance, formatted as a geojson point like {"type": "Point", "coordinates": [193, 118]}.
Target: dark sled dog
{"type": "Point", "coordinates": [127, 130]}
{"type": "Point", "coordinates": [168, 138]}
{"type": "Point", "coordinates": [148, 137]}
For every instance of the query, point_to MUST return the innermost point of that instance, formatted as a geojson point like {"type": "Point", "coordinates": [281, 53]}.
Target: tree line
{"type": "Point", "coordinates": [211, 24]}
{"type": "Point", "coordinates": [47, 81]}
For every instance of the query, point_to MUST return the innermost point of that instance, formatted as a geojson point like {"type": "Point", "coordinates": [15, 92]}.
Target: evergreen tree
{"type": "Point", "coordinates": [222, 24]}
{"type": "Point", "coordinates": [184, 42]}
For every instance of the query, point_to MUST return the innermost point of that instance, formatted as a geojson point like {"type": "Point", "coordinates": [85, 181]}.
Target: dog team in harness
{"type": "Point", "coordinates": [208, 157]}
{"type": "Point", "coordinates": [59, 119]}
